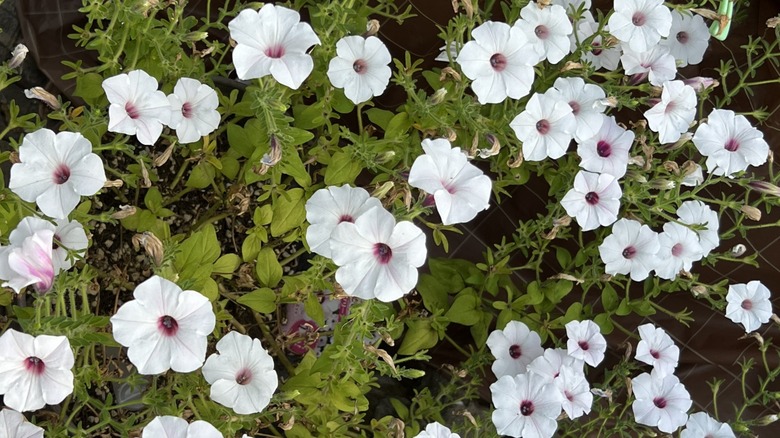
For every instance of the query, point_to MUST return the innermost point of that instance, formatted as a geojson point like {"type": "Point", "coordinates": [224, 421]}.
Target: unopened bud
{"type": "Point", "coordinates": [635, 176]}
{"type": "Point", "coordinates": [451, 135]}
{"type": "Point", "coordinates": [124, 211]}
{"type": "Point", "coordinates": [13, 158]}
{"type": "Point", "coordinates": [609, 101]}
{"type": "Point", "coordinates": [438, 96]}
{"type": "Point", "coordinates": [738, 250]}
{"type": "Point", "coordinates": [151, 244]}
{"type": "Point", "coordinates": [662, 184]}
{"type": "Point", "coordinates": [751, 212]}
{"type": "Point", "coordinates": [637, 160]}
{"type": "Point", "coordinates": [699, 291]}
{"type": "Point", "coordinates": [775, 318]}
{"type": "Point", "coordinates": [571, 65]}
{"type": "Point", "coordinates": [685, 138]}
{"type": "Point", "coordinates": [382, 190]}
{"type": "Point", "coordinates": [767, 420]}
{"type": "Point", "coordinates": [44, 96]}
{"type": "Point", "coordinates": [765, 188]}
{"type": "Point", "coordinates": [754, 335]}
{"type": "Point", "coordinates": [113, 183]}
{"type": "Point", "coordinates": [193, 37]}
{"type": "Point", "coordinates": [372, 28]}
{"type": "Point", "coordinates": [18, 55]}
{"type": "Point", "coordinates": [602, 393]}
{"type": "Point", "coordinates": [384, 157]}
{"type": "Point", "coordinates": [700, 83]}
{"type": "Point", "coordinates": [563, 221]}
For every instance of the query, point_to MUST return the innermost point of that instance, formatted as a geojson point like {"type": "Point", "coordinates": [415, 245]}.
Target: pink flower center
{"type": "Point", "coordinates": [677, 249]}
{"type": "Point", "coordinates": [346, 218]}
{"type": "Point", "coordinates": [61, 174]}
{"type": "Point", "coordinates": [498, 62]}
{"type": "Point", "coordinates": [132, 111]}
{"type": "Point", "coordinates": [583, 345]}
{"type": "Point", "coordinates": [655, 354]}
{"type": "Point", "coordinates": [34, 365]}
{"type": "Point", "coordinates": [542, 32]}
{"type": "Point", "coordinates": [526, 407]}
{"type": "Point", "coordinates": [275, 52]}
{"type": "Point", "coordinates": [629, 252]}
{"type": "Point", "coordinates": [575, 107]}
{"type": "Point", "coordinates": [54, 240]}
{"type": "Point", "coordinates": [659, 402]}
{"type": "Point", "coordinates": [429, 201]}
{"type": "Point", "coordinates": [360, 66]}
{"type": "Point", "coordinates": [592, 198]}
{"type": "Point", "coordinates": [167, 325]}
{"type": "Point", "coordinates": [669, 107]}
{"type": "Point", "coordinates": [604, 149]}
{"type": "Point", "coordinates": [638, 19]}
{"type": "Point", "coordinates": [244, 376]}
{"type": "Point", "coordinates": [568, 396]}
{"type": "Point", "coordinates": [731, 145]}
{"type": "Point", "coordinates": [596, 52]}
{"type": "Point", "coordinates": [543, 126]}
{"type": "Point", "coordinates": [186, 110]}
{"type": "Point", "coordinates": [515, 351]}
{"type": "Point", "coordinates": [383, 253]}
{"type": "Point", "coordinates": [682, 37]}
{"type": "Point", "coordinates": [747, 304]}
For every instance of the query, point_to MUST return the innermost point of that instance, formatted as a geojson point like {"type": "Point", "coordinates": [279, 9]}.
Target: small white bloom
{"type": "Point", "coordinates": [550, 363]}
{"type": "Point", "coordinates": [701, 425]}
{"type": "Point", "coordinates": [460, 189]}
{"type": "Point", "coordinates": [436, 430]}
{"type": "Point", "coordinates": [749, 305]}
{"type": "Point", "coordinates": [497, 62]}
{"type": "Point", "coordinates": [449, 51]}
{"type": "Point", "coordinates": [594, 201]}
{"type": "Point", "coordinates": [699, 213]}
{"type": "Point", "coordinates": [34, 371]}
{"type": "Point", "coordinates": [167, 426]}
{"type": "Point", "coordinates": [14, 425]}
{"type": "Point", "coordinates": [585, 342]}
{"type": "Point", "coordinates": [730, 143]}
{"type": "Point", "coordinates": [272, 41]}
{"type": "Point", "coordinates": [360, 67]}
{"type": "Point", "coordinates": [137, 106]}
{"type": "Point", "coordinates": [640, 23]}
{"type": "Point", "coordinates": [657, 348]}
{"type": "Point", "coordinates": [688, 38]}
{"type": "Point", "coordinates": [546, 127]}
{"type": "Point", "coordinates": [575, 392]}
{"type": "Point", "coordinates": [547, 30]}
{"type": "Point", "coordinates": [526, 406]}
{"type": "Point", "coordinates": [656, 64]}
{"type": "Point", "coordinates": [377, 258]}
{"type": "Point", "coordinates": [514, 348]}
{"type": "Point", "coordinates": [694, 178]}
{"type": "Point", "coordinates": [29, 262]}
{"type": "Point", "coordinates": [193, 110]}
{"type": "Point", "coordinates": [585, 102]}
{"type": "Point", "coordinates": [630, 249]}
{"type": "Point", "coordinates": [607, 151]}
{"type": "Point", "coordinates": [679, 249]}
{"type": "Point", "coordinates": [661, 402]}
{"type": "Point", "coordinates": [68, 237]}
{"type": "Point", "coordinates": [674, 113]}
{"type": "Point", "coordinates": [164, 327]}
{"type": "Point", "coordinates": [599, 56]}
{"type": "Point", "coordinates": [55, 170]}
{"type": "Point", "coordinates": [572, 6]}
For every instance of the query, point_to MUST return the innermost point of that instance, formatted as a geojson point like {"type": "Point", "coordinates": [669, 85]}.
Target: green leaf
{"type": "Point", "coordinates": [289, 212]}
{"type": "Point", "coordinates": [197, 254]}
{"type": "Point", "coordinates": [479, 331]}
{"type": "Point", "coordinates": [604, 322]}
{"type": "Point", "coordinates": [573, 313]}
{"type": "Point", "coordinates": [420, 336]}
{"type": "Point", "coordinates": [343, 169]}
{"type": "Point", "coordinates": [563, 256]}
{"type": "Point", "coordinates": [309, 117]}
{"type": "Point", "coordinates": [251, 247]}
{"type": "Point", "coordinates": [239, 140]}
{"type": "Point", "coordinates": [201, 176]}
{"type": "Point", "coordinates": [433, 293]}
{"type": "Point", "coordinates": [209, 289]}
{"type": "Point", "coordinates": [341, 103]}
{"type": "Point", "coordinates": [609, 298]}
{"type": "Point", "coordinates": [380, 117]}
{"type": "Point", "coordinates": [226, 265]}
{"type": "Point", "coordinates": [89, 87]}
{"type": "Point", "coordinates": [153, 199]}
{"type": "Point", "coordinates": [314, 310]}
{"type": "Point", "coordinates": [260, 300]}
{"type": "Point", "coordinates": [297, 136]}
{"type": "Point", "coordinates": [399, 124]}
{"type": "Point", "coordinates": [292, 165]}
{"type": "Point", "coordinates": [268, 269]}
{"type": "Point", "coordinates": [464, 309]}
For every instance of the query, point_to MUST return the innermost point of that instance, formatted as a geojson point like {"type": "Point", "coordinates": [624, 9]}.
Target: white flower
{"type": "Point", "coordinates": [377, 258]}
{"type": "Point", "coordinates": [607, 151]}
{"type": "Point", "coordinates": [459, 188]}
{"type": "Point", "coordinates": [585, 102]}
{"type": "Point", "coordinates": [594, 201]}
{"type": "Point", "coordinates": [599, 56]}
{"type": "Point", "coordinates": [657, 348]}
{"type": "Point", "coordinates": [174, 427]}
{"type": "Point", "coordinates": [449, 51]}
{"type": "Point", "coordinates": [730, 143]}
{"type": "Point", "coordinates": [585, 342]}
{"type": "Point", "coordinates": [576, 398]}
{"type": "Point", "coordinates": [497, 62]}
{"type": "Point", "coordinates": [688, 38]}
{"type": "Point", "coordinates": [640, 23]}
{"type": "Point", "coordinates": [547, 30]}
{"type": "Point", "coordinates": [29, 262]}
{"type": "Point", "coordinates": [331, 206]}
{"type": "Point", "coordinates": [699, 213]}
{"type": "Point", "coordinates": [749, 305]}
{"type": "Point", "coordinates": [55, 170]}
{"type": "Point", "coordinates": [68, 236]}
{"type": "Point", "coordinates": [436, 430]}
{"type": "Point", "coordinates": [694, 178]}
{"type": "Point", "coordinates": [360, 67]}
{"type": "Point", "coordinates": [193, 110]}
{"type": "Point", "coordinates": [34, 371]}
{"type": "Point", "coordinates": [572, 6]}
{"type": "Point", "coordinates": [674, 113]}
{"type": "Point", "coordinates": [514, 348]}
{"type": "Point", "coordinates": [137, 107]}
{"type": "Point", "coordinates": [272, 41]}
{"type": "Point", "coordinates": [630, 249]}
{"type": "Point", "coordinates": [662, 402]}
{"type": "Point", "coordinates": [679, 249]}
{"type": "Point", "coordinates": [241, 375]}
{"type": "Point", "coordinates": [14, 425]}
{"type": "Point", "coordinates": [526, 406]}
{"type": "Point", "coordinates": [164, 327]}
{"type": "Point", "coordinates": [546, 127]}
{"type": "Point", "coordinates": [550, 363]}
{"type": "Point", "coordinates": [701, 425]}
{"type": "Point", "coordinates": [657, 64]}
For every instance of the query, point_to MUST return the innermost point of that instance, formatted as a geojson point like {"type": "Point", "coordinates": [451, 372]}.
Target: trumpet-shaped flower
{"type": "Point", "coordinates": [585, 102]}
{"type": "Point", "coordinates": [459, 188]}
{"type": "Point", "coordinates": [137, 107]}
{"type": "Point", "coordinates": [514, 348]}
{"type": "Point", "coordinates": [34, 371]}
{"type": "Point", "coordinates": [55, 170]}
{"type": "Point", "coordinates": [661, 402]}
{"type": "Point", "coordinates": [656, 64]}
{"type": "Point", "coordinates": [702, 425]}
{"type": "Point", "coordinates": [594, 200]}
{"type": "Point", "coordinates": [749, 304]}
{"type": "Point", "coordinates": [360, 67]}
{"type": "Point", "coordinates": [699, 213]}
{"type": "Point", "coordinates": [29, 262]}
{"type": "Point", "coordinates": [599, 56]}
{"type": "Point", "coordinates": [657, 348]}
{"type": "Point", "coordinates": [679, 249]}
{"type": "Point", "coordinates": [549, 364]}
{"type": "Point", "coordinates": [546, 127]}
{"type": "Point", "coordinates": [640, 23]}
{"type": "Point", "coordinates": [585, 342]}
{"type": "Point", "coordinates": [547, 30]}
{"type": "Point", "coordinates": [630, 249]}
{"type": "Point", "coordinates": [272, 41]}
{"type": "Point", "coordinates": [688, 38]}
{"type": "Point", "coordinates": [68, 236]}
{"type": "Point", "coordinates": [241, 375]}
{"type": "Point", "coordinates": [497, 62]}
{"type": "Point", "coordinates": [436, 430]}
{"type": "Point", "coordinates": [164, 327]}
{"type": "Point", "coordinates": [331, 206]}
{"type": "Point", "coordinates": [168, 426]}
{"type": "Point", "coordinates": [576, 398]}
{"type": "Point", "coordinates": [526, 406]}
{"type": "Point", "coordinates": [193, 110]}
{"type": "Point", "coordinates": [607, 151]}
{"type": "Point", "coordinates": [730, 143]}
{"type": "Point", "coordinates": [674, 113]}
{"type": "Point", "coordinates": [377, 257]}
{"type": "Point", "coordinates": [694, 178]}
{"type": "Point", "coordinates": [14, 425]}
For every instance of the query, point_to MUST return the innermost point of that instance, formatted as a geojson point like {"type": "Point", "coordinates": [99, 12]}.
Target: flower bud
{"type": "Point", "coordinates": [767, 420]}
{"type": "Point", "coordinates": [571, 65]}
{"type": "Point", "coordinates": [18, 55]}
{"type": "Point", "coordinates": [693, 174]}
{"type": "Point", "coordinates": [765, 188]}
{"type": "Point", "coordinates": [384, 157]}
{"type": "Point", "coordinates": [193, 37]}
{"type": "Point", "coordinates": [738, 250]}
{"type": "Point", "coordinates": [700, 83]}
{"type": "Point", "coordinates": [44, 96]}
{"type": "Point", "coordinates": [372, 28]}
{"type": "Point", "coordinates": [514, 164]}
{"type": "Point", "coordinates": [699, 291]}
{"type": "Point", "coordinates": [451, 135]}
{"type": "Point", "coordinates": [636, 176]}
{"type": "Point", "coordinates": [165, 156]}
{"type": "Point", "coordinates": [706, 13]}
{"type": "Point", "coordinates": [273, 156]}
{"type": "Point", "coordinates": [751, 212]}
{"type": "Point", "coordinates": [684, 138]}
{"type": "Point", "coordinates": [609, 101]}
{"type": "Point", "coordinates": [438, 96]}
{"type": "Point", "coordinates": [124, 211]}
{"type": "Point", "coordinates": [382, 190]}
{"type": "Point", "coordinates": [563, 221]}
{"type": "Point", "coordinates": [773, 22]}
{"type": "Point", "coordinates": [113, 183]}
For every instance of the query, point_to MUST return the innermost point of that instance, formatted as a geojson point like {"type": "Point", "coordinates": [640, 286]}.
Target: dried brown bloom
{"type": "Point", "coordinates": [372, 28]}
{"type": "Point", "coordinates": [44, 96]}
{"type": "Point", "coordinates": [164, 156]}
{"type": "Point", "coordinates": [151, 244]}
{"type": "Point", "coordinates": [124, 211]}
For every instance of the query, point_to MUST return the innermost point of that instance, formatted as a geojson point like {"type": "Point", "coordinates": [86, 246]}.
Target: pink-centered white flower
{"type": "Point", "coordinates": [526, 406]}
{"type": "Point", "coordinates": [137, 106]}
{"type": "Point", "coordinates": [550, 363]}
{"type": "Point", "coordinates": [701, 425]}
{"type": "Point", "coordinates": [657, 348]}
{"type": "Point", "coordinates": [749, 305]}
{"type": "Point", "coordinates": [547, 30]}
{"type": "Point", "coordinates": [360, 67]}
{"type": "Point", "coordinates": [70, 239]}
{"type": "Point", "coordinates": [15, 425]}
{"type": "Point", "coordinates": [585, 102]}
{"type": "Point", "coordinates": [607, 151]}
{"type": "Point", "coordinates": [377, 257]}
{"type": "Point", "coordinates": [168, 426]}
{"type": "Point", "coordinates": [730, 143]}
{"type": "Point", "coordinates": [585, 342]}
{"type": "Point", "coordinates": [679, 248]}
{"type": "Point", "coordinates": [193, 110]}
{"type": "Point", "coordinates": [661, 402]}
{"type": "Point", "coordinates": [241, 374]}
{"type": "Point", "coordinates": [272, 41]}
{"type": "Point", "coordinates": [55, 170]}
{"type": "Point", "coordinates": [436, 430]}
{"type": "Point", "coordinates": [576, 398]}
{"type": "Point", "coordinates": [599, 56]}
{"type": "Point", "coordinates": [459, 188]}
{"type": "Point", "coordinates": [699, 213]}
{"type": "Point", "coordinates": [29, 262]}
{"type": "Point", "coordinates": [331, 206]}
{"type": "Point", "coordinates": [34, 371]}
{"type": "Point", "coordinates": [630, 249]}
{"type": "Point", "coordinates": [694, 178]}
{"type": "Point", "coordinates": [640, 23]}
{"type": "Point", "coordinates": [514, 348]}
{"type": "Point", "coordinates": [656, 64]}
{"type": "Point", "coordinates": [594, 200]}
{"type": "Point", "coordinates": [674, 113]}
{"type": "Point", "coordinates": [688, 38]}
{"type": "Point", "coordinates": [164, 327]}
{"type": "Point", "coordinates": [546, 127]}
{"type": "Point", "coordinates": [497, 62]}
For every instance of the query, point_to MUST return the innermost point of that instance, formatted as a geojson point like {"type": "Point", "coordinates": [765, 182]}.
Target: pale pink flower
{"type": "Point", "coordinates": [585, 341]}
{"type": "Point", "coordinates": [594, 200]}
{"type": "Point", "coordinates": [168, 426]}
{"type": "Point", "coordinates": [547, 30]}
{"type": "Point", "coordinates": [656, 64]}
{"type": "Point", "coordinates": [526, 406]}
{"type": "Point", "coordinates": [585, 102]}
{"type": "Point", "coordinates": [661, 402]}
{"type": "Point", "coordinates": [514, 348]}
{"type": "Point", "coordinates": [137, 107]}
{"type": "Point", "coordinates": [193, 110]}
{"type": "Point", "coordinates": [607, 151]}
{"type": "Point", "coordinates": [29, 262]}
{"type": "Point", "coordinates": [576, 398]}
{"type": "Point", "coordinates": [546, 127]}
{"type": "Point", "coordinates": [436, 430]}
{"type": "Point", "coordinates": [679, 248]}
{"type": "Point", "coordinates": [14, 425]}
{"type": "Point", "coordinates": [674, 113]}
{"type": "Point", "coordinates": [730, 143]}
{"type": "Point", "coordinates": [640, 23]}
{"type": "Point", "coordinates": [749, 305]}
{"type": "Point", "coordinates": [360, 67]}
{"type": "Point", "coordinates": [69, 237]}
{"type": "Point", "coordinates": [657, 348]}
{"type": "Point", "coordinates": [699, 213]}
{"type": "Point", "coordinates": [701, 425]}
{"type": "Point", "coordinates": [630, 249]}
{"type": "Point", "coordinates": [688, 38]}
{"type": "Point", "coordinates": [550, 363]}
